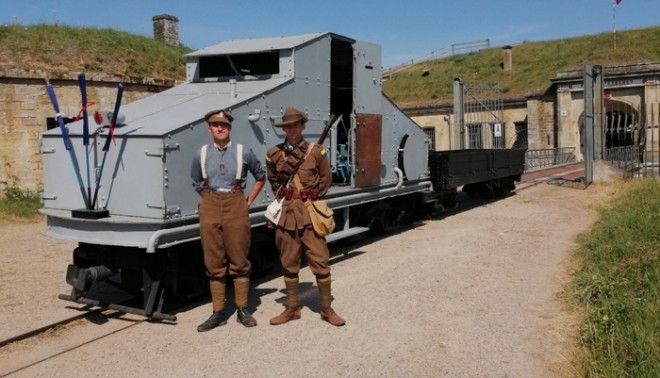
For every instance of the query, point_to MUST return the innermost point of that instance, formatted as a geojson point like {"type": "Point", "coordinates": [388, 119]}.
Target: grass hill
{"type": "Point", "coordinates": [57, 50]}
{"type": "Point", "coordinates": [534, 64]}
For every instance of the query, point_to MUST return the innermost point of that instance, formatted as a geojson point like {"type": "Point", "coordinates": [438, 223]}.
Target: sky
{"type": "Point", "coordinates": [405, 30]}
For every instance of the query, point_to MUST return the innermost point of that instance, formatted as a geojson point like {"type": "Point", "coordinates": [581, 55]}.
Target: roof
{"type": "Point", "coordinates": [178, 107]}
{"type": "Point", "coordinates": [243, 46]}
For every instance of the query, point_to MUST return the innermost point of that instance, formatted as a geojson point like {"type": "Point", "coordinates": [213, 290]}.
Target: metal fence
{"type": "Point", "coordinates": [538, 159]}
{"type": "Point", "coordinates": [481, 105]}
{"type": "Point", "coordinates": [634, 161]}
{"type": "Point", "coordinates": [451, 50]}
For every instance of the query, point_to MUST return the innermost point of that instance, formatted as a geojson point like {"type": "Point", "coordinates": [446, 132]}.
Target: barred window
{"type": "Point", "coordinates": [430, 133]}
{"type": "Point", "coordinates": [474, 136]}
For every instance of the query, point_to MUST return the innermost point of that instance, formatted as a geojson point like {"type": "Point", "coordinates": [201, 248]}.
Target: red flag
{"type": "Point", "coordinates": [617, 2]}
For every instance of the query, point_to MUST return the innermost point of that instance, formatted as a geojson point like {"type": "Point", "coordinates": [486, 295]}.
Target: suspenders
{"type": "Point", "coordinates": [239, 166]}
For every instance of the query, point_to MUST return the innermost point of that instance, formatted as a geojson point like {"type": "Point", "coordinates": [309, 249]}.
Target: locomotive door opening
{"type": "Point", "coordinates": [341, 104]}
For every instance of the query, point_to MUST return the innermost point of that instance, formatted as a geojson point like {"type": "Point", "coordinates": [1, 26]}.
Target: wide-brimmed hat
{"type": "Point", "coordinates": [291, 115]}
{"type": "Point", "coordinates": [219, 115]}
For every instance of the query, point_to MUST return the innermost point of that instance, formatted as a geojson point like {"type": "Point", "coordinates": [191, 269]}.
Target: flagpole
{"type": "Point", "coordinates": [614, 21]}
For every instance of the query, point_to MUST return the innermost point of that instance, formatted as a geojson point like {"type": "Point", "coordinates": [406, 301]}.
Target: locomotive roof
{"type": "Point", "coordinates": [242, 46]}
{"type": "Point", "coordinates": [178, 107]}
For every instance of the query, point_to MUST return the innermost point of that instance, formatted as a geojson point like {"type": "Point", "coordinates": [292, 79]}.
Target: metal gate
{"type": "Point", "coordinates": [618, 131]}
{"type": "Point", "coordinates": [478, 109]}
{"type": "Point", "coordinates": [631, 138]}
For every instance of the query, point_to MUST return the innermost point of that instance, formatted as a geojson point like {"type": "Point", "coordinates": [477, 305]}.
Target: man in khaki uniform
{"type": "Point", "coordinates": [294, 233]}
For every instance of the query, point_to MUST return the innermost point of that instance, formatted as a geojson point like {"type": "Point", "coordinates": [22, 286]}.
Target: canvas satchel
{"type": "Point", "coordinates": [319, 212]}
{"type": "Point", "coordinates": [274, 211]}
{"type": "Point", "coordinates": [322, 216]}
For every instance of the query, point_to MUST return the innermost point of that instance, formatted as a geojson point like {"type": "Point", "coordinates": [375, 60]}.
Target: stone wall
{"type": "Point", "coordinates": [440, 124]}
{"type": "Point", "coordinates": [541, 124]}
{"type": "Point", "coordinates": [25, 109]}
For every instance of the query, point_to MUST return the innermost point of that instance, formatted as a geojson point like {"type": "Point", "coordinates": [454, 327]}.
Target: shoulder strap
{"type": "Point", "coordinates": [202, 160]}
{"type": "Point", "coordinates": [239, 161]}
{"type": "Point", "coordinates": [296, 178]}
{"type": "Point", "coordinates": [296, 182]}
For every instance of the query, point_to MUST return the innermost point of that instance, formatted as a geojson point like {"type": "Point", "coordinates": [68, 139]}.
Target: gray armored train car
{"type": "Point", "coordinates": [143, 232]}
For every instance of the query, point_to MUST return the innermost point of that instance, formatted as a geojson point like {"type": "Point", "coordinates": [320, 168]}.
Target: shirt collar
{"type": "Point", "coordinates": [290, 146]}
{"type": "Point", "coordinates": [222, 148]}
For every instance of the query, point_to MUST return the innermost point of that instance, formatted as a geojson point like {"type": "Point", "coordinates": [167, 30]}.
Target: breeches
{"type": "Point", "coordinates": [292, 244]}
{"type": "Point", "coordinates": [225, 234]}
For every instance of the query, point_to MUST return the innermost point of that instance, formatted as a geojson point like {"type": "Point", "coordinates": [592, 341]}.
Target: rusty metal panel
{"type": "Point", "coordinates": [368, 129]}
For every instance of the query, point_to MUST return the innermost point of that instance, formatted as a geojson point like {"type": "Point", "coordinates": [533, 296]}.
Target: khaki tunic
{"type": "Point", "coordinates": [294, 233]}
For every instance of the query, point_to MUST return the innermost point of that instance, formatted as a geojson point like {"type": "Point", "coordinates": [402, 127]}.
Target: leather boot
{"type": "Point", "coordinates": [327, 313]}
{"type": "Point", "coordinates": [218, 317]}
{"type": "Point", "coordinates": [241, 289]}
{"type": "Point", "coordinates": [292, 310]}
{"type": "Point", "coordinates": [215, 320]}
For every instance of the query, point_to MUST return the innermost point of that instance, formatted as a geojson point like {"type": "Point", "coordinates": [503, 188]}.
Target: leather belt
{"type": "Point", "coordinates": [304, 194]}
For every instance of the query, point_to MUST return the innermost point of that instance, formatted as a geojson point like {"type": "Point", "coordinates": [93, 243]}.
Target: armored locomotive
{"type": "Point", "coordinates": [142, 233]}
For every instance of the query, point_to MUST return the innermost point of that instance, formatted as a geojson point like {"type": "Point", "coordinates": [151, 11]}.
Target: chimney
{"type": "Point", "coordinates": [507, 58]}
{"type": "Point", "coordinates": [166, 29]}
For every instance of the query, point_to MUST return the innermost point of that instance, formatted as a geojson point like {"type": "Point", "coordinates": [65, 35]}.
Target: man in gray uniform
{"type": "Point", "coordinates": [219, 173]}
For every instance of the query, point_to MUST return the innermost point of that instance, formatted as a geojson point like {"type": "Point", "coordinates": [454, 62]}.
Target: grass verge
{"type": "Point", "coordinates": [19, 204]}
{"type": "Point", "coordinates": [618, 286]}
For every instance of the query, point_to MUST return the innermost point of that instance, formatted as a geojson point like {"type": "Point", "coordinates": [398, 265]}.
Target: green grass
{"type": "Point", "coordinates": [534, 64]}
{"type": "Point", "coordinates": [19, 203]}
{"type": "Point", "coordinates": [618, 286]}
{"type": "Point", "coordinates": [59, 49]}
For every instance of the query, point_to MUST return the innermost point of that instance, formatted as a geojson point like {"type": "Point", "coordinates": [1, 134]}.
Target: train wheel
{"type": "Point", "coordinates": [377, 226]}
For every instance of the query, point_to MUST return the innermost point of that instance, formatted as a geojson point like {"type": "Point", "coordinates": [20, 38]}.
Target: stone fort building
{"type": "Point", "coordinates": [555, 119]}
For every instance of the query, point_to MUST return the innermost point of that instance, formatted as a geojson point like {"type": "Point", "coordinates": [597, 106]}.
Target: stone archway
{"type": "Point", "coordinates": [622, 125]}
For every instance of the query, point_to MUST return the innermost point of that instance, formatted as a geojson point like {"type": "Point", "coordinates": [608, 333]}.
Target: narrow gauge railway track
{"type": "Point", "coordinates": [48, 342]}
{"type": "Point", "coordinates": [44, 343]}
{"type": "Point", "coordinates": [40, 330]}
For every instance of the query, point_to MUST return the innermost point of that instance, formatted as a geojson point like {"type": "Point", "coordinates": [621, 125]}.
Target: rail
{"type": "Point", "coordinates": [543, 158]}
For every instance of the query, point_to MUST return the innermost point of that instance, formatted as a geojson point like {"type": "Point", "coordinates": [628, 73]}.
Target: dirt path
{"type": "Point", "coordinates": [474, 294]}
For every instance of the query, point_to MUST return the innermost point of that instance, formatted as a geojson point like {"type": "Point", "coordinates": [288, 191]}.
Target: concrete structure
{"type": "Point", "coordinates": [166, 29]}
{"type": "Point", "coordinates": [507, 58]}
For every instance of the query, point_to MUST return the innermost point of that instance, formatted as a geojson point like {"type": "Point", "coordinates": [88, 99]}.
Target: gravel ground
{"type": "Point", "coordinates": [472, 294]}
